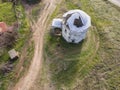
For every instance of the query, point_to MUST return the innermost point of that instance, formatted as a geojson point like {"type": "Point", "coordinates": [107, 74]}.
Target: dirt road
{"type": "Point", "coordinates": [39, 27]}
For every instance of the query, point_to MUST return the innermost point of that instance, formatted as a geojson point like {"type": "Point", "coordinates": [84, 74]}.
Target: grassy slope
{"type": "Point", "coordinates": [71, 61]}
{"type": "Point", "coordinates": [83, 64]}
{"type": "Point", "coordinates": [106, 73]}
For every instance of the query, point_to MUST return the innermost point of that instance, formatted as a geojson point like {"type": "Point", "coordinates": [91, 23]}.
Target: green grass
{"type": "Point", "coordinates": [70, 63]}
{"type": "Point", "coordinates": [74, 58]}
{"type": "Point", "coordinates": [36, 11]}
{"type": "Point", "coordinates": [28, 55]}
{"type": "Point", "coordinates": [23, 30]}
{"type": "Point", "coordinates": [105, 17]}
{"type": "Point", "coordinates": [7, 14]}
{"type": "Point", "coordinates": [24, 35]}
{"type": "Point", "coordinates": [4, 56]}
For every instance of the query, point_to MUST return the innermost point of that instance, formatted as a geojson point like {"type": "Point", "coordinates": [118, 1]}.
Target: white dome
{"type": "Point", "coordinates": [83, 18]}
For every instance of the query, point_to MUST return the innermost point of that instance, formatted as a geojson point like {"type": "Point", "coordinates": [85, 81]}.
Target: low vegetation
{"type": "Point", "coordinates": [92, 64]}
{"type": "Point", "coordinates": [6, 13]}
{"type": "Point", "coordinates": [8, 16]}
{"type": "Point", "coordinates": [36, 11]}
{"type": "Point", "coordinates": [23, 44]}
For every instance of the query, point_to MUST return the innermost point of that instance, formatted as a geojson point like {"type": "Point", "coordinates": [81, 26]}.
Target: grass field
{"type": "Point", "coordinates": [94, 63]}
{"type": "Point", "coordinates": [6, 13]}
{"type": "Point", "coordinates": [23, 43]}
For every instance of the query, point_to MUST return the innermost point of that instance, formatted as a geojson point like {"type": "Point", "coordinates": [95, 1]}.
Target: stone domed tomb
{"type": "Point", "coordinates": [74, 25]}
